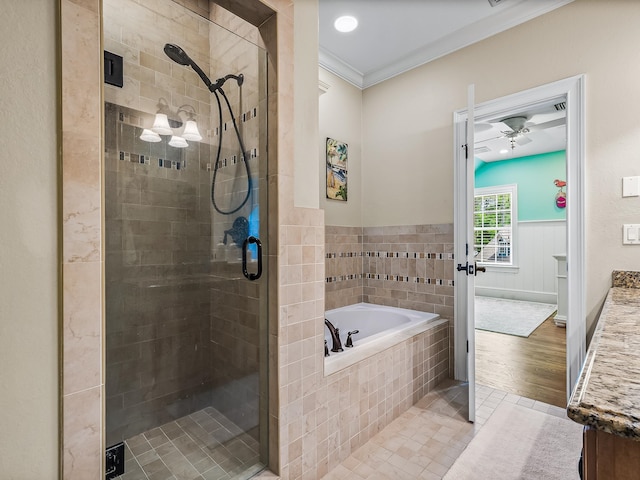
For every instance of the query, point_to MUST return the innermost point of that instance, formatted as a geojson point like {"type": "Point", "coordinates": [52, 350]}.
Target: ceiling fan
{"type": "Point", "coordinates": [518, 129]}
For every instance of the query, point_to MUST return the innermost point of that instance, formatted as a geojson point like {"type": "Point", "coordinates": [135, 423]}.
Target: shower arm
{"type": "Point", "coordinates": [221, 81]}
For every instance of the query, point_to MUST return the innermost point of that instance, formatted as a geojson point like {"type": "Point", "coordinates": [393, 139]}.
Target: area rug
{"type": "Point", "coordinates": [521, 443]}
{"type": "Point", "coordinates": [512, 317]}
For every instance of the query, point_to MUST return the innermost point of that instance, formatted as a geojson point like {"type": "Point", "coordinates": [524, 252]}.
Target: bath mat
{"type": "Point", "coordinates": [512, 317]}
{"type": "Point", "coordinates": [521, 443]}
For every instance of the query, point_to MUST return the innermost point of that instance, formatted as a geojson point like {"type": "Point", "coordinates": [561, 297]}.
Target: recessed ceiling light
{"type": "Point", "coordinates": [503, 151]}
{"type": "Point", "coordinates": [346, 23]}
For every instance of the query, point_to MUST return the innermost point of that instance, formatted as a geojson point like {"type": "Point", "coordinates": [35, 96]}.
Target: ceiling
{"type": "Point", "coordinates": [395, 36]}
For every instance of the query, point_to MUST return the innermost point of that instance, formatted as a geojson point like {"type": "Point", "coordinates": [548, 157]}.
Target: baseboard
{"type": "Point", "coordinates": [522, 295]}
{"type": "Point", "coordinates": [560, 320]}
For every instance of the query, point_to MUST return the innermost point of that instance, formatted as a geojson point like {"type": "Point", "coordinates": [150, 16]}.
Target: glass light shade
{"type": "Point", "coordinates": [191, 131]}
{"type": "Point", "coordinates": [178, 142]}
{"type": "Point", "coordinates": [161, 125]}
{"type": "Point", "coordinates": [149, 136]}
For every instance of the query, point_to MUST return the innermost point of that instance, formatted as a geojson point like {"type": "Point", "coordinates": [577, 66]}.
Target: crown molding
{"type": "Point", "coordinates": [336, 66]}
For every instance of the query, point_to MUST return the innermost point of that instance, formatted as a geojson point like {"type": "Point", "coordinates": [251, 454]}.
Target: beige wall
{"type": "Point", "coordinates": [341, 119]}
{"type": "Point", "coordinates": [408, 131]}
{"type": "Point", "coordinates": [28, 258]}
{"type": "Point", "coordinates": [305, 61]}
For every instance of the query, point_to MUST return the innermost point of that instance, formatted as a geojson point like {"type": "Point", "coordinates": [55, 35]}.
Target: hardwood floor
{"type": "Point", "coordinates": [534, 367]}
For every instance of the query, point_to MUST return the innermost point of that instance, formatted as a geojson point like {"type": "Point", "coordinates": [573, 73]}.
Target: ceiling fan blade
{"type": "Point", "coordinates": [550, 124]}
{"type": "Point", "coordinates": [482, 127]}
{"type": "Point", "coordinates": [490, 139]}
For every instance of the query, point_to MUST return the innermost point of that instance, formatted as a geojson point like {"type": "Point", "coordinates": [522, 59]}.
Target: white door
{"type": "Point", "coordinates": [571, 89]}
{"type": "Point", "coordinates": [464, 252]}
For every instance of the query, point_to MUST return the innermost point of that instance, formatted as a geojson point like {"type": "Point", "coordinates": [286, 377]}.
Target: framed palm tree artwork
{"type": "Point", "coordinates": [337, 158]}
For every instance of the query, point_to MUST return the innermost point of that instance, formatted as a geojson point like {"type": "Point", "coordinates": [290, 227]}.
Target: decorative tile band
{"type": "Point", "coordinates": [248, 115]}
{"type": "Point", "coordinates": [392, 278]}
{"type": "Point", "coordinates": [344, 255]}
{"type": "Point", "coordinates": [181, 165]}
{"type": "Point", "coordinates": [435, 256]}
{"type": "Point", "coordinates": [342, 278]}
{"type": "Point", "coordinates": [149, 160]}
{"type": "Point", "coordinates": [227, 162]}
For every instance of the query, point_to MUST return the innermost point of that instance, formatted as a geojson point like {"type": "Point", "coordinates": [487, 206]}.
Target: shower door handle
{"type": "Point", "coordinates": [245, 244]}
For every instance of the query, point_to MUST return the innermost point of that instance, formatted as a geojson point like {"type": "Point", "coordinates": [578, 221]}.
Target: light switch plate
{"type": "Point", "coordinates": [631, 234]}
{"type": "Point", "coordinates": [630, 186]}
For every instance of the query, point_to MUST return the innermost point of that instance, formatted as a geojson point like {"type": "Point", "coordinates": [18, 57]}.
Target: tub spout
{"type": "Point", "coordinates": [335, 336]}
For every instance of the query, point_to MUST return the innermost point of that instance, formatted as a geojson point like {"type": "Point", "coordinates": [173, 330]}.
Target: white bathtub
{"type": "Point", "coordinates": [379, 328]}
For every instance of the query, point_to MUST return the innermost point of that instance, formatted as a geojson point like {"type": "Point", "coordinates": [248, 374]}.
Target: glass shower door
{"type": "Point", "coordinates": [186, 329]}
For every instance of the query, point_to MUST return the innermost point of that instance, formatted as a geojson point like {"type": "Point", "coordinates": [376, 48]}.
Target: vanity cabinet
{"type": "Point", "coordinates": [609, 457]}
{"type": "Point", "coordinates": [606, 398]}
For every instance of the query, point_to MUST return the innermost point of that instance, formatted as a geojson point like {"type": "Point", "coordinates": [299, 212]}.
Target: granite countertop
{"type": "Point", "coordinates": [607, 395]}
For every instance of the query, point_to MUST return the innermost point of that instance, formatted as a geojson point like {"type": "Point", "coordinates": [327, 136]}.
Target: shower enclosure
{"type": "Point", "coordinates": [186, 304]}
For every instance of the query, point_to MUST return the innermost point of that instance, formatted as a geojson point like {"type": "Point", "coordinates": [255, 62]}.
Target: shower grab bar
{"type": "Point", "coordinates": [245, 244]}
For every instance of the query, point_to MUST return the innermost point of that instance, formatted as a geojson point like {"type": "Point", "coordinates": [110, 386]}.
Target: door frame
{"type": "Point", "coordinates": [571, 90]}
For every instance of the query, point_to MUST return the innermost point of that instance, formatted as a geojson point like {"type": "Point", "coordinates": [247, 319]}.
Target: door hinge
{"type": "Point", "coordinates": [466, 249]}
{"type": "Point", "coordinates": [467, 346]}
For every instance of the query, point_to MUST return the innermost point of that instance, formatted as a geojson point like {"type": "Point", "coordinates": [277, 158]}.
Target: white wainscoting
{"type": "Point", "coordinates": [534, 279]}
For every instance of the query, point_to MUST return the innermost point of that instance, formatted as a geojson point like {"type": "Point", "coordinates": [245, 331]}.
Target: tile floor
{"type": "Point", "coordinates": [202, 446]}
{"type": "Point", "coordinates": [427, 439]}
{"type": "Point", "coordinates": [422, 443]}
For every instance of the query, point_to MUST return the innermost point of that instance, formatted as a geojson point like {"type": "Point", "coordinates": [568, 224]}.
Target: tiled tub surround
{"type": "Point", "coordinates": [343, 266]}
{"type": "Point", "coordinates": [607, 396]}
{"type": "Point", "coordinates": [342, 411]}
{"type": "Point", "coordinates": [408, 266]}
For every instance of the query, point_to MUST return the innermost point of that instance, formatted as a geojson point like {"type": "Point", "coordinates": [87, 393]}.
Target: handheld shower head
{"type": "Point", "coordinates": [177, 54]}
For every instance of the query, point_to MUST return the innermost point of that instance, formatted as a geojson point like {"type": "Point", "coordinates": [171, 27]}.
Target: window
{"type": "Point", "coordinates": [494, 221]}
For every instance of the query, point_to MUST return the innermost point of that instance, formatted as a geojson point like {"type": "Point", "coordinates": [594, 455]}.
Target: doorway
{"type": "Point", "coordinates": [571, 91]}
{"type": "Point", "coordinates": [519, 233]}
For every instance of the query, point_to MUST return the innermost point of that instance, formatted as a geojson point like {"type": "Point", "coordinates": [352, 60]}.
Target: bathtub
{"type": "Point", "coordinates": [380, 327]}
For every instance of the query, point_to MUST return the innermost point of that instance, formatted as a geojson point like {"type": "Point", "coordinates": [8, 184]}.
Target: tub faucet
{"type": "Point", "coordinates": [335, 336]}
{"type": "Point", "coordinates": [349, 342]}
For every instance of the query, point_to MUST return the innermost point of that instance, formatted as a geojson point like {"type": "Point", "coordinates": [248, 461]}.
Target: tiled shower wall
{"type": "Point", "coordinates": [408, 266]}
{"type": "Point", "coordinates": [157, 288]}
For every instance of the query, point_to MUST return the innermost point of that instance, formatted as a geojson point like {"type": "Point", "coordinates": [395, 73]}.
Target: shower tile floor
{"type": "Point", "coordinates": [202, 446]}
